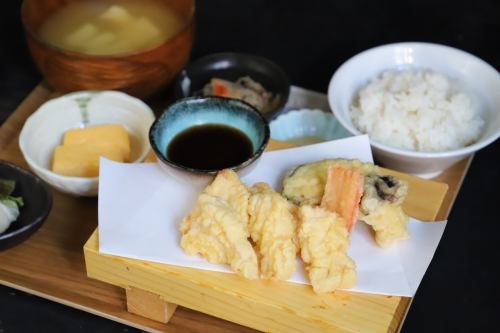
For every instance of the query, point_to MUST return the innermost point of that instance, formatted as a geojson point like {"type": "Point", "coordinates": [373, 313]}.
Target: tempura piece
{"type": "Point", "coordinates": [217, 226]}
{"type": "Point", "coordinates": [381, 208]}
{"type": "Point", "coordinates": [324, 241]}
{"type": "Point", "coordinates": [343, 191]}
{"type": "Point", "coordinates": [272, 227]}
{"type": "Point", "coordinates": [228, 186]}
{"type": "Point", "coordinates": [305, 184]}
{"type": "Point", "coordinates": [380, 189]}
{"type": "Point", "coordinates": [389, 223]}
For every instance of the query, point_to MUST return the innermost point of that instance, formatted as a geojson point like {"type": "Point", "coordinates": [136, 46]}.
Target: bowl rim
{"type": "Point", "coordinates": [286, 113]}
{"type": "Point", "coordinates": [195, 99]}
{"type": "Point", "coordinates": [190, 19]}
{"type": "Point", "coordinates": [39, 219]}
{"type": "Point", "coordinates": [243, 55]}
{"type": "Point", "coordinates": [294, 116]}
{"type": "Point", "coordinates": [75, 179]}
{"type": "Point", "coordinates": [217, 56]}
{"type": "Point", "coordinates": [334, 82]}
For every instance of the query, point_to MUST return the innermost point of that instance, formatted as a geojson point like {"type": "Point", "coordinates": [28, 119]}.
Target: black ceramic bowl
{"type": "Point", "coordinates": [37, 204]}
{"type": "Point", "coordinates": [231, 66]}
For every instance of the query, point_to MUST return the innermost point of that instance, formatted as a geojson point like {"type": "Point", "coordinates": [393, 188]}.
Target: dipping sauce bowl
{"type": "Point", "coordinates": [196, 112]}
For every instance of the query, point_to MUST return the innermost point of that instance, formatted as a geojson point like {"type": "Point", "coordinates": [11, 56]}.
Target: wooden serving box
{"type": "Point", "coordinates": [154, 290]}
{"type": "Point", "coordinates": [51, 264]}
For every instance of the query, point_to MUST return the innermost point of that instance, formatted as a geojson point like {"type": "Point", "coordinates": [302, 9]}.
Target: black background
{"type": "Point", "coordinates": [310, 39]}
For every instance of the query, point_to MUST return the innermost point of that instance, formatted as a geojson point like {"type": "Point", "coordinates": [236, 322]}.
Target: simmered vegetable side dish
{"type": "Point", "coordinates": [245, 89]}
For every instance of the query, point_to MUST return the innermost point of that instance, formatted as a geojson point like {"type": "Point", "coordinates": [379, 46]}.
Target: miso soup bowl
{"type": "Point", "coordinates": [140, 73]}
{"type": "Point", "coordinates": [195, 111]}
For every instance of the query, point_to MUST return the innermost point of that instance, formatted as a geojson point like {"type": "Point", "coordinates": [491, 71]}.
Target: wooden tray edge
{"type": "Point", "coordinates": [78, 306]}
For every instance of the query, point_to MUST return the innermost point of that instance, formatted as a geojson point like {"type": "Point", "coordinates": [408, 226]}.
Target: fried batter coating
{"type": "Point", "coordinates": [380, 204]}
{"type": "Point", "coordinates": [389, 223]}
{"type": "Point", "coordinates": [272, 227]}
{"type": "Point", "coordinates": [305, 185]}
{"type": "Point", "coordinates": [228, 186]}
{"type": "Point", "coordinates": [324, 241]}
{"type": "Point", "coordinates": [217, 226]}
{"type": "Point", "coordinates": [381, 208]}
{"type": "Point", "coordinates": [379, 190]}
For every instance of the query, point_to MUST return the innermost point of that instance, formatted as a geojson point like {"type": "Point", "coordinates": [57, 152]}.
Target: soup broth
{"type": "Point", "coordinates": [104, 27]}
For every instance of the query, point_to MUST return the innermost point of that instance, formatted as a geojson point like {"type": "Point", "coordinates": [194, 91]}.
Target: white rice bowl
{"type": "Point", "coordinates": [419, 110]}
{"type": "Point", "coordinates": [469, 73]}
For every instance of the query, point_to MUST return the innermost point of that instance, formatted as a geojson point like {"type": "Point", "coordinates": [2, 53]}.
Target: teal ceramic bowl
{"type": "Point", "coordinates": [196, 111]}
{"type": "Point", "coordinates": [307, 126]}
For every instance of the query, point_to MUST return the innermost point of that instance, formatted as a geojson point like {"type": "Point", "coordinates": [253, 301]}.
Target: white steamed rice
{"type": "Point", "coordinates": [417, 110]}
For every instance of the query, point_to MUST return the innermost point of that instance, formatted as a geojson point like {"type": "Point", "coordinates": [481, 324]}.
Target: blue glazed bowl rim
{"type": "Point", "coordinates": [197, 99]}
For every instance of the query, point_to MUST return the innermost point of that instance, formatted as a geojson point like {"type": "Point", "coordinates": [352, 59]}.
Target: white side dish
{"type": "Point", "coordinates": [43, 131]}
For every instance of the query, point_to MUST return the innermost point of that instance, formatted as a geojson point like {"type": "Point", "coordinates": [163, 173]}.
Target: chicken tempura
{"type": "Point", "coordinates": [272, 227]}
{"type": "Point", "coordinates": [324, 241]}
{"type": "Point", "coordinates": [217, 226]}
{"type": "Point", "coordinates": [228, 186]}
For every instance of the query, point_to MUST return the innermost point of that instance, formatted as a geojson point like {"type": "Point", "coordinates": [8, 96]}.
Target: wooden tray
{"type": "Point", "coordinates": [51, 263]}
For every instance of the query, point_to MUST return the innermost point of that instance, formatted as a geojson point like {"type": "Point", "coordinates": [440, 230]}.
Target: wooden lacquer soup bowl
{"type": "Point", "coordinates": [139, 73]}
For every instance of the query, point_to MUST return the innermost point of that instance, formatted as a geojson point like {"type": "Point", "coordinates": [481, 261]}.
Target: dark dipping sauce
{"type": "Point", "coordinates": [210, 147]}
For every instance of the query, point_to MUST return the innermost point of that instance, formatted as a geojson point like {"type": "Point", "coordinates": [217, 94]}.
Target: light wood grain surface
{"type": "Point", "coordinates": [265, 305]}
{"type": "Point", "coordinates": [51, 263]}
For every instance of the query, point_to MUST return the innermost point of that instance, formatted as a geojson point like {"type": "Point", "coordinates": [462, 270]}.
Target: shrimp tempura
{"type": "Point", "coordinates": [343, 191]}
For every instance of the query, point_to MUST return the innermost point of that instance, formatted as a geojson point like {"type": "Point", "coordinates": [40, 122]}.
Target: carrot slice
{"type": "Point", "coordinates": [220, 88]}
{"type": "Point", "coordinates": [343, 191]}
